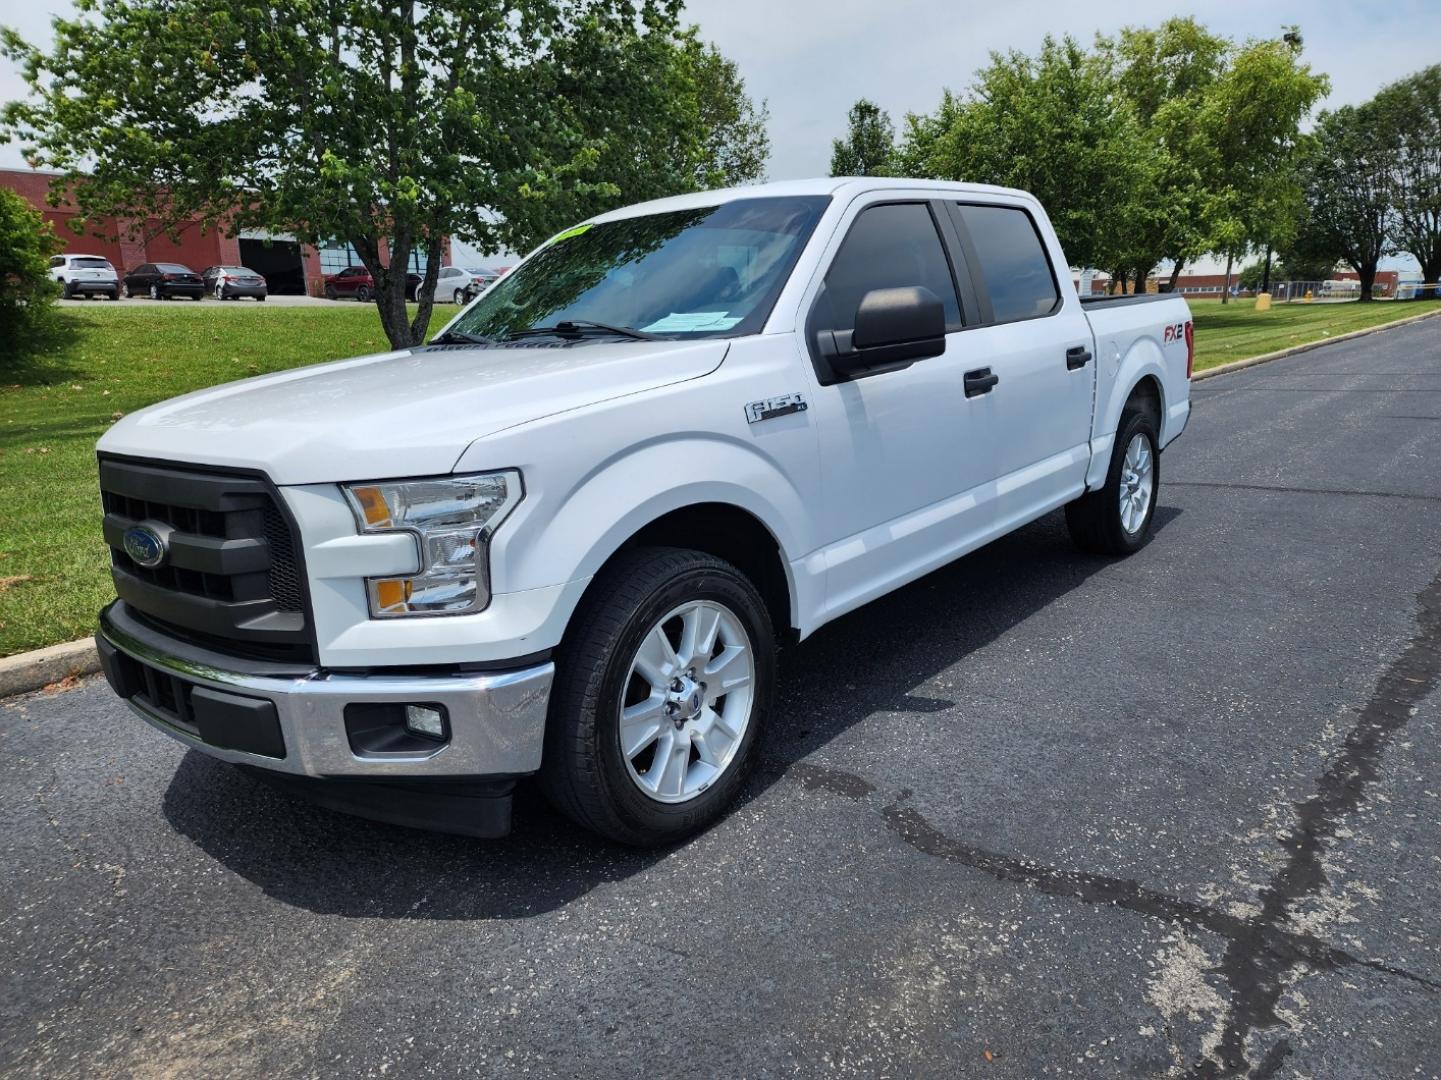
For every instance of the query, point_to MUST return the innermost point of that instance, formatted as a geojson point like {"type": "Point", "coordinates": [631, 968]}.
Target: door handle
{"type": "Point", "coordinates": [980, 381]}
{"type": "Point", "coordinates": [1077, 357]}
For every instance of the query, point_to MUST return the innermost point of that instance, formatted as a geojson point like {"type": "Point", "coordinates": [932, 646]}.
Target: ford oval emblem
{"type": "Point", "coordinates": [145, 546]}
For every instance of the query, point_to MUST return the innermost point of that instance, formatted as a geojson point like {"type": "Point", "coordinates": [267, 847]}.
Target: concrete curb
{"type": "Point", "coordinates": [29, 671]}
{"type": "Point", "coordinates": [1266, 358]}
{"type": "Point", "coordinates": [24, 672]}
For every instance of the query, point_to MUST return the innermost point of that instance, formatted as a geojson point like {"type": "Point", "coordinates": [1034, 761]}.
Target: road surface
{"type": "Point", "coordinates": [1038, 814]}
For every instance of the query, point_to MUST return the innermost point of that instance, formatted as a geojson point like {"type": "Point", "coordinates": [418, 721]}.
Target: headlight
{"type": "Point", "coordinates": [452, 518]}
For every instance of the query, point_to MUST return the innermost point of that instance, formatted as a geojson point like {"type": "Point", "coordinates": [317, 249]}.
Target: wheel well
{"type": "Point", "coordinates": [1146, 397]}
{"type": "Point", "coordinates": [728, 533]}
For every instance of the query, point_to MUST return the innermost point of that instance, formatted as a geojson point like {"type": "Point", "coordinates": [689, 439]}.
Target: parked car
{"type": "Point", "coordinates": [233, 282]}
{"type": "Point", "coordinates": [460, 285]}
{"type": "Point", "coordinates": [565, 538]}
{"type": "Point", "coordinates": [164, 281]}
{"type": "Point", "coordinates": [85, 275]}
{"type": "Point", "coordinates": [356, 281]}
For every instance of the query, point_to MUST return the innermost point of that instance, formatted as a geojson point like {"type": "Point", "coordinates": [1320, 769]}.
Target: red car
{"type": "Point", "coordinates": [356, 281]}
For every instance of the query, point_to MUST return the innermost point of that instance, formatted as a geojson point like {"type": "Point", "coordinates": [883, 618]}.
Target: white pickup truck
{"type": "Point", "coordinates": [565, 537]}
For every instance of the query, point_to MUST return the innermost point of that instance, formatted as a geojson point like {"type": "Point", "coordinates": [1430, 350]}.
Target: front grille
{"type": "Point", "coordinates": [232, 572]}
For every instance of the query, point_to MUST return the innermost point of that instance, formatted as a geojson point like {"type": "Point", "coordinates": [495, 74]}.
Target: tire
{"type": "Point", "coordinates": [155, 293]}
{"type": "Point", "coordinates": [1096, 520]}
{"type": "Point", "coordinates": [458, 297]}
{"type": "Point", "coordinates": [67, 291]}
{"type": "Point", "coordinates": [329, 293]}
{"type": "Point", "coordinates": [362, 294]}
{"type": "Point", "coordinates": [261, 298]}
{"type": "Point", "coordinates": [584, 772]}
{"type": "Point", "coordinates": [125, 292]}
{"type": "Point", "coordinates": [113, 294]}
{"type": "Point", "coordinates": [220, 292]}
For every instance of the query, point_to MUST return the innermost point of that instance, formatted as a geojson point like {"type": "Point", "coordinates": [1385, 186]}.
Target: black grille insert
{"type": "Point", "coordinates": [232, 570]}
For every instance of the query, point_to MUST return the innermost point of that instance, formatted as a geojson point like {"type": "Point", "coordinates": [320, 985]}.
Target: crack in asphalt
{"type": "Point", "coordinates": [1260, 950]}
{"type": "Point", "coordinates": [1254, 974]}
{"type": "Point", "coordinates": [1234, 485]}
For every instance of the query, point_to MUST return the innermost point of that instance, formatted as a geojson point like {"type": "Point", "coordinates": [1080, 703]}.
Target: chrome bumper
{"type": "Point", "coordinates": [496, 719]}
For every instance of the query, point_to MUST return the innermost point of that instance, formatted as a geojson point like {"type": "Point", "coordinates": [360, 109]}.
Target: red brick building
{"type": "Point", "coordinates": [288, 266]}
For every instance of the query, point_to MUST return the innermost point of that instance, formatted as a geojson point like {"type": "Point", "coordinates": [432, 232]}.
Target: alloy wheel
{"type": "Point", "coordinates": [687, 702]}
{"type": "Point", "coordinates": [1138, 483]}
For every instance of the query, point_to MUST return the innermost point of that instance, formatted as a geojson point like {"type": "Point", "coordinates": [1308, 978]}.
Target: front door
{"type": "Point", "coordinates": [904, 454]}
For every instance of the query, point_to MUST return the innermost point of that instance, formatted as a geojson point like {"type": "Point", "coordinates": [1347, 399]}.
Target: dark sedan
{"type": "Point", "coordinates": [356, 281]}
{"type": "Point", "coordinates": [164, 281]}
{"type": "Point", "coordinates": [233, 282]}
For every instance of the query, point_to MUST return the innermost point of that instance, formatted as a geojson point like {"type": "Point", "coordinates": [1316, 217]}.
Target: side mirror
{"type": "Point", "coordinates": [894, 328]}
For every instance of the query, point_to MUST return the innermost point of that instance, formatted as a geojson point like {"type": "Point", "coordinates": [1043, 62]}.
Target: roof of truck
{"type": "Point", "coordinates": [823, 185]}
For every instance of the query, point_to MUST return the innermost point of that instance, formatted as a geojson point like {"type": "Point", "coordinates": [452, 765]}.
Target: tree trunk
{"type": "Point", "coordinates": [1226, 287]}
{"type": "Point", "coordinates": [1367, 274]}
{"type": "Point", "coordinates": [1119, 279]}
{"type": "Point", "coordinates": [1176, 272]}
{"type": "Point", "coordinates": [434, 247]}
{"type": "Point", "coordinates": [1266, 273]}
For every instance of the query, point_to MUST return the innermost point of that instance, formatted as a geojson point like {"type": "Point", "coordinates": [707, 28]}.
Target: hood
{"type": "Point", "coordinates": [409, 413]}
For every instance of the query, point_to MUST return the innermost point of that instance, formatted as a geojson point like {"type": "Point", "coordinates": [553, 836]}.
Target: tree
{"type": "Point", "coordinates": [686, 121]}
{"type": "Point", "coordinates": [26, 243]}
{"type": "Point", "coordinates": [1055, 125]}
{"type": "Point", "coordinates": [390, 125]}
{"type": "Point", "coordinates": [1165, 74]}
{"type": "Point", "coordinates": [1411, 111]}
{"type": "Point", "coordinates": [1248, 145]}
{"type": "Point", "coordinates": [1350, 190]}
{"type": "Point", "coordinates": [869, 145]}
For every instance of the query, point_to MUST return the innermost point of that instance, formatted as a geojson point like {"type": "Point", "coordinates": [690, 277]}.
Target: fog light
{"type": "Point", "coordinates": [425, 720]}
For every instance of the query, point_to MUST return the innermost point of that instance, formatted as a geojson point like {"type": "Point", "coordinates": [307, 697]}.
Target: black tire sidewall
{"type": "Point", "coordinates": [641, 819]}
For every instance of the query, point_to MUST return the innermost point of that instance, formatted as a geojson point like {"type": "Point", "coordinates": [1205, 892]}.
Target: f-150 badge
{"type": "Point", "coordinates": [770, 408]}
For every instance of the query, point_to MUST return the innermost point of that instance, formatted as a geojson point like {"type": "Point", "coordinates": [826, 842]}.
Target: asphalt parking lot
{"type": "Point", "coordinates": [1038, 814]}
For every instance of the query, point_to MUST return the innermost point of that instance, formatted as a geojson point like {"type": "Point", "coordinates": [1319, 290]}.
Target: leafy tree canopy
{"type": "Point", "coordinates": [869, 145]}
{"type": "Point", "coordinates": [26, 243]}
{"type": "Point", "coordinates": [390, 121]}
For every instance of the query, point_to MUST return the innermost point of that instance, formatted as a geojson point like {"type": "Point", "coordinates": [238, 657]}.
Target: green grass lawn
{"type": "Point", "coordinates": [115, 359]}
{"type": "Point", "coordinates": [1234, 331]}
{"type": "Point", "coordinates": [54, 573]}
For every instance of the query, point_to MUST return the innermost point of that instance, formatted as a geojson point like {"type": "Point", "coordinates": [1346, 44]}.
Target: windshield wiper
{"type": "Point", "coordinates": [580, 327]}
{"type": "Point", "coordinates": [460, 337]}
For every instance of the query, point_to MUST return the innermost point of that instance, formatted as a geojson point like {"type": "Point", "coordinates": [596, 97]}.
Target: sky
{"type": "Point", "coordinates": [811, 59]}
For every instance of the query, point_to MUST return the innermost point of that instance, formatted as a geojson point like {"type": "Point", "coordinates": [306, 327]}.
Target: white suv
{"type": "Point", "coordinates": [85, 275]}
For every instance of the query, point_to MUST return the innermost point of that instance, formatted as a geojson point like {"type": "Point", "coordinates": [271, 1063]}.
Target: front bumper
{"type": "Point", "coordinates": [292, 719]}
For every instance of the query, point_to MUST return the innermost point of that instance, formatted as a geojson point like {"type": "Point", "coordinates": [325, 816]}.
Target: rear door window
{"type": "Point", "coordinates": [1012, 260]}
{"type": "Point", "coordinates": [893, 245]}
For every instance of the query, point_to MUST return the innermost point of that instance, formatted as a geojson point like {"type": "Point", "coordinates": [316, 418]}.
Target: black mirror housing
{"type": "Point", "coordinates": [894, 328]}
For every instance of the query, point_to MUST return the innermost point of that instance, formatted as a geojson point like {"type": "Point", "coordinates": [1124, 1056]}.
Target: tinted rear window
{"type": "Point", "coordinates": [90, 264]}
{"type": "Point", "coordinates": [1013, 261]}
{"type": "Point", "coordinates": [173, 268]}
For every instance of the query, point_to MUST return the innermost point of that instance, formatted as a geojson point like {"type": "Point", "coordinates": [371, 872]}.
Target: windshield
{"type": "Point", "coordinates": [714, 271]}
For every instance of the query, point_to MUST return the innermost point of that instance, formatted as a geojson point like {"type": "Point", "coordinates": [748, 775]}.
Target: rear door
{"type": "Point", "coordinates": [1038, 343]}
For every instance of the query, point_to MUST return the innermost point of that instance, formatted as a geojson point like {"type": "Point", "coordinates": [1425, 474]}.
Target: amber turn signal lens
{"type": "Point", "coordinates": [372, 505]}
{"type": "Point", "coordinates": [391, 595]}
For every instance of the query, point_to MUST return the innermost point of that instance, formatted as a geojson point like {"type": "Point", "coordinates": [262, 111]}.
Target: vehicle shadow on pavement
{"type": "Point", "coordinates": [865, 663]}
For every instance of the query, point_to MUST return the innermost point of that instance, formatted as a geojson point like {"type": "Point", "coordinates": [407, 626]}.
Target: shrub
{"type": "Point", "coordinates": [27, 241]}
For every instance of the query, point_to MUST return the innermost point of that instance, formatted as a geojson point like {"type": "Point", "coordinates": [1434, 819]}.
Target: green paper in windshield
{"type": "Point", "coordinates": [571, 232]}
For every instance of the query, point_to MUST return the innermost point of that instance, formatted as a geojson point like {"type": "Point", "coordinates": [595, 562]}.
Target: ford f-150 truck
{"type": "Point", "coordinates": [565, 537]}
